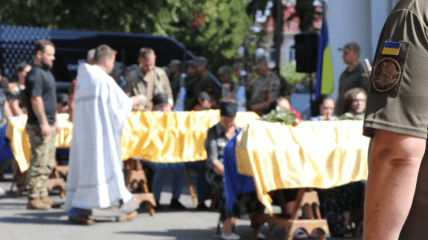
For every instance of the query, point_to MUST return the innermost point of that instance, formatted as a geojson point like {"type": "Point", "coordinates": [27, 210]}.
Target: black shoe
{"type": "Point", "coordinates": [175, 204]}
{"type": "Point", "coordinates": [202, 207]}
{"type": "Point", "coordinates": [158, 206]}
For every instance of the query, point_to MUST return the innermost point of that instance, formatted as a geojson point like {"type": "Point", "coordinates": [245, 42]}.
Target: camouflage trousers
{"type": "Point", "coordinates": [42, 160]}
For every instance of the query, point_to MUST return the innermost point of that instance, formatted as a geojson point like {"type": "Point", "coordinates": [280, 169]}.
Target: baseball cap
{"type": "Point", "coordinates": [259, 62]}
{"type": "Point", "coordinates": [160, 98]}
{"type": "Point", "coordinates": [228, 109]}
{"type": "Point", "coordinates": [223, 70]}
{"type": "Point", "coordinates": [352, 46]}
{"type": "Point", "coordinates": [238, 65]}
{"type": "Point", "coordinates": [174, 63]}
{"type": "Point", "coordinates": [200, 61]}
{"type": "Point", "coordinates": [204, 96]}
{"type": "Point", "coordinates": [62, 98]}
{"type": "Point", "coordinates": [190, 63]}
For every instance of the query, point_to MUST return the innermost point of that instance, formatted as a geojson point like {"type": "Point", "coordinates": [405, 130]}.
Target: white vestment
{"type": "Point", "coordinates": [95, 178]}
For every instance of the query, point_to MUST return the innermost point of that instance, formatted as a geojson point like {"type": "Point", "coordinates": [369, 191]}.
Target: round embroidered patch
{"type": "Point", "coordinates": [386, 74]}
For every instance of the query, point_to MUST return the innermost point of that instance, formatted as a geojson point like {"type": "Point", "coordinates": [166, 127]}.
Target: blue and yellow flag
{"type": "Point", "coordinates": [391, 48]}
{"type": "Point", "coordinates": [325, 78]}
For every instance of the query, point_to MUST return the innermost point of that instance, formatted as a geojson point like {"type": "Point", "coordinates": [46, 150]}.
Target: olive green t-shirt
{"type": "Point", "coordinates": [398, 95]}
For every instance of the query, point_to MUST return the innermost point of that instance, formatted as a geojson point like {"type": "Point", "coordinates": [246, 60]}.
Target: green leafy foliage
{"type": "Point", "coordinates": [216, 34]}
{"type": "Point", "coordinates": [282, 116]}
{"type": "Point", "coordinates": [306, 12]}
{"type": "Point", "coordinates": [291, 76]}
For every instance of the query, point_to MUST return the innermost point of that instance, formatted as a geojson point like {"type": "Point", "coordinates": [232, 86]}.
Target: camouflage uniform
{"type": "Point", "coordinates": [136, 84]}
{"type": "Point", "coordinates": [42, 160]}
{"type": "Point", "coordinates": [259, 88]}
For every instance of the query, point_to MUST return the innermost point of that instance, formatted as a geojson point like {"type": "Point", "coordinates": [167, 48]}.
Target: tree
{"type": "Point", "coordinates": [307, 13]}
{"type": "Point", "coordinates": [211, 28]}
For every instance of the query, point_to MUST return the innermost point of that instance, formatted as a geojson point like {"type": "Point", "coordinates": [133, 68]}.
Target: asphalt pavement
{"type": "Point", "coordinates": [16, 222]}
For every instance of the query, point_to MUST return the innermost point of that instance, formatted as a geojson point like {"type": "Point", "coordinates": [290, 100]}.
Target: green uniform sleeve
{"type": "Point", "coordinates": [397, 99]}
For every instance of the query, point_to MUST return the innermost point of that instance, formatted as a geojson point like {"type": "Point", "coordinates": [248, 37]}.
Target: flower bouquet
{"type": "Point", "coordinates": [283, 116]}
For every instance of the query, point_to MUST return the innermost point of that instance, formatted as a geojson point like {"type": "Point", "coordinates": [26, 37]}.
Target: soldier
{"type": "Point", "coordinates": [396, 119]}
{"type": "Point", "coordinates": [191, 80]}
{"type": "Point", "coordinates": [175, 71]}
{"type": "Point", "coordinates": [228, 86]}
{"type": "Point", "coordinates": [353, 76]}
{"type": "Point", "coordinates": [147, 81]}
{"type": "Point", "coordinates": [41, 124]}
{"type": "Point", "coordinates": [263, 89]}
{"type": "Point", "coordinates": [237, 69]}
{"type": "Point", "coordinates": [205, 83]}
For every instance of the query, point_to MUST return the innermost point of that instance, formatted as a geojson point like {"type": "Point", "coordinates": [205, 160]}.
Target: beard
{"type": "Point", "coordinates": [46, 65]}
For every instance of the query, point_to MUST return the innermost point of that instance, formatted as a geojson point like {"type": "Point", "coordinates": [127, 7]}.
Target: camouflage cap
{"type": "Point", "coordinates": [238, 65]}
{"type": "Point", "coordinates": [200, 61]}
{"type": "Point", "coordinates": [174, 63]}
{"type": "Point", "coordinates": [190, 63]}
{"type": "Point", "coordinates": [259, 62]}
{"type": "Point", "coordinates": [223, 70]}
{"type": "Point", "coordinates": [352, 46]}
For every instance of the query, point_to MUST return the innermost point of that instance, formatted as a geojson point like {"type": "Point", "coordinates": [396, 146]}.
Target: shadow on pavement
{"type": "Point", "coordinates": [205, 234]}
{"type": "Point", "coordinates": [34, 220]}
{"type": "Point", "coordinates": [178, 234]}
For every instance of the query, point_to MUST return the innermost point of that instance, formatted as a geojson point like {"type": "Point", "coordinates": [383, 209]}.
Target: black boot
{"type": "Point", "coordinates": [176, 205]}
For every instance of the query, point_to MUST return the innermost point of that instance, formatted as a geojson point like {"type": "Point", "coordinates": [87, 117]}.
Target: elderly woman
{"type": "Point", "coordinates": [355, 103]}
{"type": "Point", "coordinates": [216, 141]}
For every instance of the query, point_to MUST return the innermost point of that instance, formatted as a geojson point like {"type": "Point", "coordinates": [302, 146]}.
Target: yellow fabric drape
{"type": "Point", "coordinates": [154, 136]}
{"type": "Point", "coordinates": [20, 144]}
{"type": "Point", "coordinates": [313, 154]}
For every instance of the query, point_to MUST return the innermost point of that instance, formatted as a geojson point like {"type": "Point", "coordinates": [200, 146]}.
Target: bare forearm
{"type": "Point", "coordinates": [70, 112]}
{"type": "Point", "coordinates": [7, 111]}
{"type": "Point", "coordinates": [394, 162]}
{"type": "Point", "coordinates": [260, 107]}
{"type": "Point", "coordinates": [39, 109]}
{"type": "Point", "coordinates": [14, 106]}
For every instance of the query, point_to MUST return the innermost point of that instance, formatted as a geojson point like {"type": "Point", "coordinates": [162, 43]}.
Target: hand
{"type": "Point", "coordinates": [136, 100]}
{"type": "Point", "coordinates": [56, 127]}
{"type": "Point", "coordinates": [46, 129]}
{"type": "Point", "coordinates": [218, 168]}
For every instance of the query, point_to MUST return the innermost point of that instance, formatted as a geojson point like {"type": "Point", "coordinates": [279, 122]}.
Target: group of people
{"type": "Point", "coordinates": [395, 119]}
{"type": "Point", "coordinates": [98, 107]}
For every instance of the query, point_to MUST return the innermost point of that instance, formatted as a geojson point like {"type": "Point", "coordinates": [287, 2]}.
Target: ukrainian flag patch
{"type": "Point", "coordinates": [391, 48]}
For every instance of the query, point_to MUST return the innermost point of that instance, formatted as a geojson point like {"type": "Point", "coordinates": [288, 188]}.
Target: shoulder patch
{"type": "Point", "coordinates": [386, 74]}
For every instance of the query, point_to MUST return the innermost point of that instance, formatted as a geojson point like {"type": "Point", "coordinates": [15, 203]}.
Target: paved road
{"type": "Point", "coordinates": [16, 222]}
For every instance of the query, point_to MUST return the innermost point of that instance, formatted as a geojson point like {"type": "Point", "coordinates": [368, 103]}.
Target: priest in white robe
{"type": "Point", "coordinates": [95, 181]}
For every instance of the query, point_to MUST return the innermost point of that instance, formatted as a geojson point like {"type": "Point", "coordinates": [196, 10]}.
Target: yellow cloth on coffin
{"type": "Point", "coordinates": [20, 144]}
{"type": "Point", "coordinates": [313, 154]}
{"type": "Point", "coordinates": [155, 136]}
